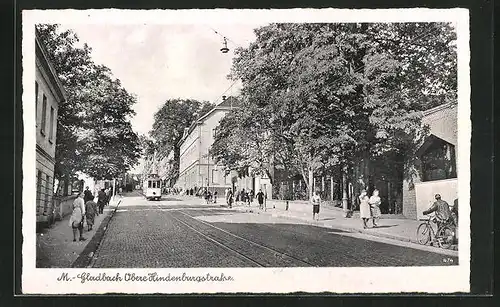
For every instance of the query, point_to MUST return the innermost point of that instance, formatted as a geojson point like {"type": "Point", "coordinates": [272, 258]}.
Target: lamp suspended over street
{"type": "Point", "coordinates": [224, 49]}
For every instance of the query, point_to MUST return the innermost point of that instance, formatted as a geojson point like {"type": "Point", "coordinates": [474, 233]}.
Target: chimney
{"type": "Point", "coordinates": [223, 98]}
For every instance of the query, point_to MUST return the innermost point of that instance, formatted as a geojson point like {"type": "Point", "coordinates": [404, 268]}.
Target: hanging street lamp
{"type": "Point", "coordinates": [224, 49]}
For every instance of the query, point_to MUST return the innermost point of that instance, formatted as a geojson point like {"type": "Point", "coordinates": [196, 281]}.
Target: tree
{"type": "Point", "coordinates": [94, 134]}
{"type": "Point", "coordinates": [169, 123]}
{"type": "Point", "coordinates": [336, 93]}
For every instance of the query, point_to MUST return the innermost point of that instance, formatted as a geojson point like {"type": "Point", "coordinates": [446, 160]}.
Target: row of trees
{"type": "Point", "coordinates": [326, 96]}
{"type": "Point", "coordinates": [168, 128]}
{"type": "Point", "coordinates": [94, 133]}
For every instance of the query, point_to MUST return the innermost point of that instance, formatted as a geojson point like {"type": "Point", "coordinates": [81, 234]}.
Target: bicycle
{"type": "Point", "coordinates": [443, 237]}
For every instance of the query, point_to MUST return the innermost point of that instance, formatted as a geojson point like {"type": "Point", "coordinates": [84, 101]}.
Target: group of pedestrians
{"type": "Point", "coordinates": [85, 209]}
{"type": "Point", "coordinates": [244, 197]}
{"type": "Point", "coordinates": [209, 197]}
{"type": "Point", "coordinates": [369, 207]}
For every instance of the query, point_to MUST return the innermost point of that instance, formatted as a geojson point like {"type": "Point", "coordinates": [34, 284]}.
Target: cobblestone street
{"type": "Point", "coordinates": [187, 233]}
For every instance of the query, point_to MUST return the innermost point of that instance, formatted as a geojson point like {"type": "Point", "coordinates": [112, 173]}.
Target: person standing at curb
{"type": "Point", "coordinates": [364, 208]}
{"type": "Point", "coordinates": [215, 196]}
{"type": "Point", "coordinates": [316, 202]}
{"type": "Point", "coordinates": [78, 217]}
{"type": "Point", "coordinates": [375, 202]}
{"type": "Point", "coordinates": [260, 199]}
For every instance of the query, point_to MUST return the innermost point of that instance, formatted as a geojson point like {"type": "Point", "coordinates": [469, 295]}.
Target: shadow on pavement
{"type": "Point", "coordinates": [386, 226]}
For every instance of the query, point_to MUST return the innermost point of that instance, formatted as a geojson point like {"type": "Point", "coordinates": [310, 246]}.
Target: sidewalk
{"type": "Point", "coordinates": [332, 217]}
{"type": "Point", "coordinates": [55, 247]}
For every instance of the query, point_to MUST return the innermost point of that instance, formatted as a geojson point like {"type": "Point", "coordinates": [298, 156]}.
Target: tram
{"type": "Point", "coordinates": [152, 187]}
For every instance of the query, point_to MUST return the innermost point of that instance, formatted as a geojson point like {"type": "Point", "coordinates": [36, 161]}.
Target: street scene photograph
{"type": "Point", "coordinates": [264, 144]}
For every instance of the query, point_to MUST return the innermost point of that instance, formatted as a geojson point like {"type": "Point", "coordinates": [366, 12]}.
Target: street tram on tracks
{"type": "Point", "coordinates": [152, 187]}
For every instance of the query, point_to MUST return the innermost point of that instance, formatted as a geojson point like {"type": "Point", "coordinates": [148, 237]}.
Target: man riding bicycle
{"type": "Point", "coordinates": [442, 209]}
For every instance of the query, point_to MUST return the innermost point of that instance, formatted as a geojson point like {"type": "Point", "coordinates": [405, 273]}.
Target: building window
{"type": "Point", "coordinates": [215, 176]}
{"type": "Point", "coordinates": [227, 179]}
{"type": "Point", "coordinates": [51, 125]}
{"type": "Point", "coordinates": [438, 161]}
{"type": "Point", "coordinates": [36, 100]}
{"type": "Point", "coordinates": [44, 114]}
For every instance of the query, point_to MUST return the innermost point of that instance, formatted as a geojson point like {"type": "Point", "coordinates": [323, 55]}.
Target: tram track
{"type": "Point", "coordinates": [234, 251]}
{"type": "Point", "coordinates": [347, 251]}
{"type": "Point", "coordinates": [265, 256]}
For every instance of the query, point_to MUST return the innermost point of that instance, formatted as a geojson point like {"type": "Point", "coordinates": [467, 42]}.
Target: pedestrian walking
{"type": "Point", "coordinates": [226, 193]}
{"type": "Point", "coordinates": [247, 198]}
{"type": "Point", "coordinates": [215, 197]}
{"type": "Point", "coordinates": [230, 199]}
{"type": "Point", "coordinates": [316, 202]}
{"type": "Point", "coordinates": [87, 195]}
{"type": "Point", "coordinates": [209, 197]}
{"type": "Point", "coordinates": [260, 199]}
{"type": "Point", "coordinates": [364, 208]}
{"type": "Point", "coordinates": [375, 202]}
{"type": "Point", "coordinates": [252, 195]}
{"type": "Point", "coordinates": [108, 196]}
{"type": "Point", "coordinates": [242, 197]}
{"type": "Point", "coordinates": [78, 217]}
{"type": "Point", "coordinates": [90, 213]}
{"type": "Point", "coordinates": [101, 201]}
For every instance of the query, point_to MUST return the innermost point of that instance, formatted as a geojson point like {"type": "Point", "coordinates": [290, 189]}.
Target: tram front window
{"type": "Point", "coordinates": [149, 184]}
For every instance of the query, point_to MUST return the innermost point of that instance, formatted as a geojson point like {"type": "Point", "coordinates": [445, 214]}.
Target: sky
{"type": "Point", "coordinates": [159, 62]}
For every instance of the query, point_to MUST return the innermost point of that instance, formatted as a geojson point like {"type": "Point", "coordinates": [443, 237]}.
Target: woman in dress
{"type": "Point", "coordinates": [375, 202]}
{"type": "Point", "coordinates": [77, 217]}
{"type": "Point", "coordinates": [364, 208]}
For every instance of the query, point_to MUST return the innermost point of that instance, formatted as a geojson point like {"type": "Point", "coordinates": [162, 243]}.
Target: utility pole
{"type": "Point", "coordinates": [208, 170]}
{"type": "Point", "coordinates": [114, 188]}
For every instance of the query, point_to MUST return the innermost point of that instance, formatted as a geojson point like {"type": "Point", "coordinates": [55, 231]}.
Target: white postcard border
{"type": "Point", "coordinates": [250, 280]}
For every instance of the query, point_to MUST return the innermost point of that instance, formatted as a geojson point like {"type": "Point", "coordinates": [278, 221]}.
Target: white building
{"type": "Point", "coordinates": [49, 93]}
{"type": "Point", "coordinates": [196, 169]}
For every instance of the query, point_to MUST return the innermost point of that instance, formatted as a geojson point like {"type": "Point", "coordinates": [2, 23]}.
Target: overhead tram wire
{"type": "Point", "coordinates": [359, 69]}
{"type": "Point", "coordinates": [224, 36]}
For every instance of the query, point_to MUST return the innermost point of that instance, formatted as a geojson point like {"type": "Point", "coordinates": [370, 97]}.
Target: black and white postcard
{"type": "Point", "coordinates": [246, 151]}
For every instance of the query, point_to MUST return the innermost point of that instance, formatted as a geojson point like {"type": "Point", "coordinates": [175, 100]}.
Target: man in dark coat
{"type": "Point", "coordinates": [441, 208]}
{"type": "Point", "coordinates": [101, 200]}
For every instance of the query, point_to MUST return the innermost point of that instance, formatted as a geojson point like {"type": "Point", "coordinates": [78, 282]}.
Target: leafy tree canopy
{"type": "Point", "coordinates": [94, 134]}
{"type": "Point", "coordinates": [326, 93]}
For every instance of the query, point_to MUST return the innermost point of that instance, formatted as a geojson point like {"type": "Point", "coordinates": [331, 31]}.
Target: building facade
{"type": "Point", "coordinates": [49, 93]}
{"type": "Point", "coordinates": [436, 169]}
{"type": "Point", "coordinates": [196, 169]}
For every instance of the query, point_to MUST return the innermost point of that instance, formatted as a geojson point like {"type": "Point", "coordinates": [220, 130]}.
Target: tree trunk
{"type": "Point", "coordinates": [344, 188]}
{"type": "Point", "coordinates": [311, 179]}
{"type": "Point", "coordinates": [331, 188]}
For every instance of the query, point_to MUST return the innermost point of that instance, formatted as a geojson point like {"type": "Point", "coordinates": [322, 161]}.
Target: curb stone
{"type": "Point", "coordinates": [86, 257]}
{"type": "Point", "coordinates": [344, 228]}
